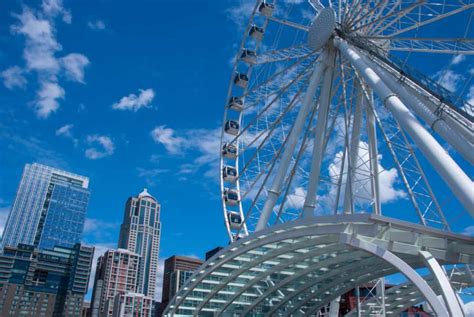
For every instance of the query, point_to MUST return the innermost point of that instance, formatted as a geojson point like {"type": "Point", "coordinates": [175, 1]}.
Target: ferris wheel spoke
{"type": "Point", "coordinates": [368, 15]}
{"type": "Point", "coordinates": [433, 12]}
{"type": "Point", "coordinates": [433, 45]}
{"type": "Point", "coordinates": [273, 83]}
{"type": "Point", "coordinates": [351, 13]}
{"type": "Point", "coordinates": [378, 25]}
{"type": "Point", "coordinates": [295, 166]}
{"type": "Point", "coordinates": [268, 133]}
{"type": "Point", "coordinates": [271, 166]}
{"type": "Point", "coordinates": [291, 24]}
{"type": "Point", "coordinates": [283, 54]}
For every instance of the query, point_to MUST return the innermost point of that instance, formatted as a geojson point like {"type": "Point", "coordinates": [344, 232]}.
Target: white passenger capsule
{"type": "Point", "coordinates": [256, 32]}
{"type": "Point", "coordinates": [241, 80]}
{"type": "Point", "coordinates": [231, 197]}
{"type": "Point", "coordinates": [235, 103]}
{"type": "Point", "coordinates": [266, 8]}
{"type": "Point", "coordinates": [229, 150]}
{"type": "Point", "coordinates": [231, 127]}
{"type": "Point", "coordinates": [229, 174]}
{"type": "Point", "coordinates": [234, 219]}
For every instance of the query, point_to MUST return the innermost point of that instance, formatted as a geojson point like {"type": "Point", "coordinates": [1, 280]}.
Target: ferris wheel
{"type": "Point", "coordinates": [326, 115]}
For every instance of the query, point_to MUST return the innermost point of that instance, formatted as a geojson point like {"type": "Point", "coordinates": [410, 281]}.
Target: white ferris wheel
{"type": "Point", "coordinates": [324, 109]}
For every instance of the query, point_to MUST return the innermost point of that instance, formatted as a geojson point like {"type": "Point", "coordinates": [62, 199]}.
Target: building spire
{"type": "Point", "coordinates": [145, 193]}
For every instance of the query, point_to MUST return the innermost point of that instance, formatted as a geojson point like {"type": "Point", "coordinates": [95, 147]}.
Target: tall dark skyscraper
{"type": "Point", "coordinates": [140, 233]}
{"type": "Point", "coordinates": [49, 208]}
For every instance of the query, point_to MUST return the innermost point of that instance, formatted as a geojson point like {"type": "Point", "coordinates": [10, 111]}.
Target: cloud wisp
{"type": "Point", "coordinates": [205, 142]}
{"type": "Point", "coordinates": [14, 77]}
{"type": "Point", "coordinates": [101, 146]}
{"type": "Point", "coordinates": [96, 25]}
{"type": "Point", "coordinates": [135, 102]}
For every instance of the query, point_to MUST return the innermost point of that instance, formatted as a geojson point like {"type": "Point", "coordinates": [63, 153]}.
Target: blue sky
{"type": "Point", "coordinates": [131, 95]}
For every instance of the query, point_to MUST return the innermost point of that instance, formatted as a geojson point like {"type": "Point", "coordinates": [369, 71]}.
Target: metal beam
{"type": "Point", "coordinates": [274, 191]}
{"type": "Point", "coordinates": [402, 267]}
{"type": "Point", "coordinates": [324, 102]}
{"type": "Point", "coordinates": [450, 298]}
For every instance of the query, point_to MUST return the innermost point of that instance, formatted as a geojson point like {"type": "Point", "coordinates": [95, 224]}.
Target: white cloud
{"type": "Point", "coordinates": [53, 8]}
{"type": "Point", "coordinates": [41, 46]}
{"type": "Point", "coordinates": [106, 144]}
{"type": "Point", "coordinates": [48, 96]}
{"type": "Point", "coordinates": [167, 137]}
{"type": "Point", "coordinates": [205, 142]}
{"type": "Point", "coordinates": [297, 198]}
{"type": "Point", "coordinates": [469, 108]}
{"type": "Point", "coordinates": [13, 77]}
{"type": "Point", "coordinates": [469, 309]}
{"type": "Point", "coordinates": [458, 59]}
{"type": "Point", "coordinates": [362, 187]}
{"type": "Point", "coordinates": [150, 175]}
{"type": "Point", "coordinates": [448, 79]}
{"type": "Point", "coordinates": [65, 131]}
{"type": "Point", "coordinates": [100, 230]}
{"type": "Point", "coordinates": [134, 102]}
{"type": "Point", "coordinates": [74, 65]}
{"type": "Point", "coordinates": [469, 230]}
{"type": "Point", "coordinates": [240, 13]}
{"type": "Point", "coordinates": [96, 25]}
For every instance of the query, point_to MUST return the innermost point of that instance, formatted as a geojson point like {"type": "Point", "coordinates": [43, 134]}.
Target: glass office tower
{"type": "Point", "coordinates": [49, 208]}
{"type": "Point", "coordinates": [140, 233]}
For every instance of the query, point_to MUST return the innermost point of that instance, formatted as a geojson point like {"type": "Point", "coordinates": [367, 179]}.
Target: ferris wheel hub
{"type": "Point", "coordinates": [322, 28]}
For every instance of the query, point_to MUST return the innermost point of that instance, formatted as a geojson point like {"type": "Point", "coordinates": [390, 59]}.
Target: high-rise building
{"type": "Point", "coordinates": [211, 253]}
{"type": "Point", "coordinates": [116, 273]}
{"type": "Point", "coordinates": [178, 269]}
{"type": "Point", "coordinates": [37, 282]}
{"type": "Point", "coordinates": [140, 233]}
{"type": "Point", "coordinates": [132, 304]}
{"type": "Point", "coordinates": [49, 208]}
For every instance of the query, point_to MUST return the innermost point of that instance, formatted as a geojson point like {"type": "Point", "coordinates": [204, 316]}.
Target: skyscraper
{"type": "Point", "coordinates": [44, 282]}
{"type": "Point", "coordinates": [140, 233]}
{"type": "Point", "coordinates": [49, 208]}
{"type": "Point", "coordinates": [178, 269]}
{"type": "Point", "coordinates": [116, 274]}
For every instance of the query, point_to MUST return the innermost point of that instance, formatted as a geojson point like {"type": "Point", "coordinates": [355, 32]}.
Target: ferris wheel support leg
{"type": "Point", "coordinates": [354, 152]}
{"type": "Point", "coordinates": [452, 135]}
{"type": "Point", "coordinates": [298, 125]}
{"type": "Point", "coordinates": [459, 183]}
{"type": "Point", "coordinates": [320, 134]}
{"type": "Point", "coordinates": [373, 153]}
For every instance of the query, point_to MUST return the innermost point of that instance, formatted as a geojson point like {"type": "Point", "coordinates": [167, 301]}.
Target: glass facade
{"type": "Point", "coordinates": [52, 282]}
{"type": "Point", "coordinates": [49, 208]}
